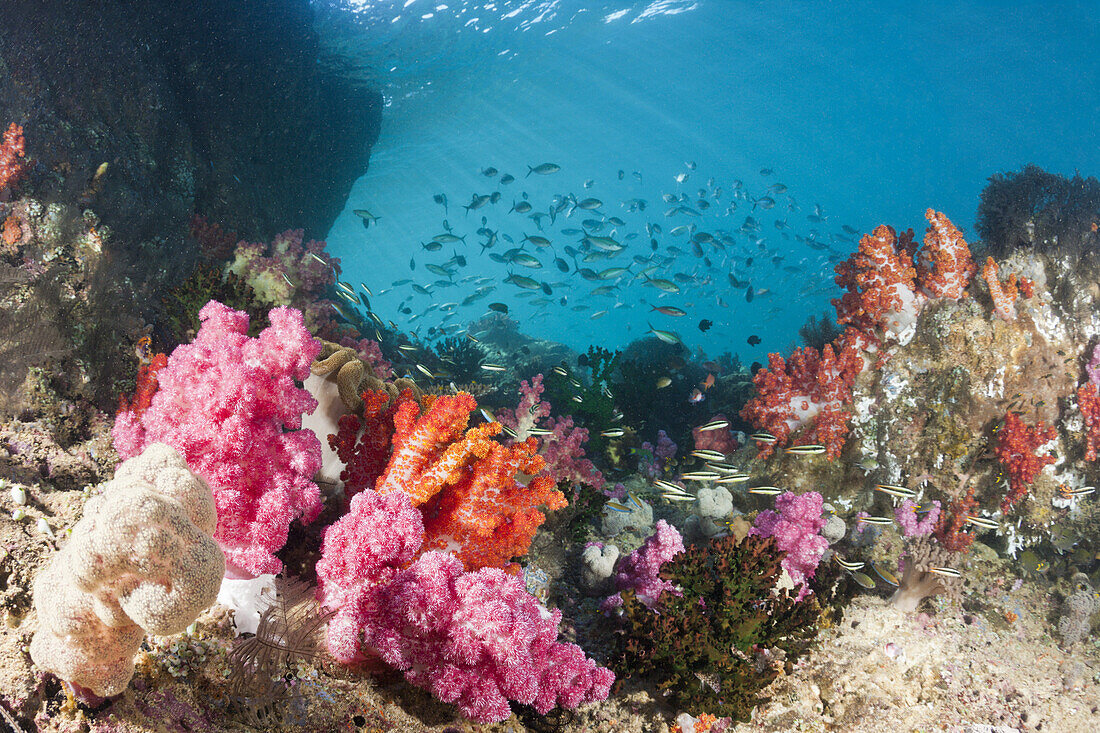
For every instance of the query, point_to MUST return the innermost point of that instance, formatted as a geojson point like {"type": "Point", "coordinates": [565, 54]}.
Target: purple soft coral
{"type": "Point", "coordinates": [640, 572]}
{"type": "Point", "coordinates": [795, 526]}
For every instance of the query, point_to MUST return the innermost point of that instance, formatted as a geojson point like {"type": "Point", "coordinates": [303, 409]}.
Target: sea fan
{"type": "Point", "coordinates": [291, 629]}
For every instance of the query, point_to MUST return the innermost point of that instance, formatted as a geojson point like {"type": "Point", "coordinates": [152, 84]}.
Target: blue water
{"type": "Point", "coordinates": [872, 112]}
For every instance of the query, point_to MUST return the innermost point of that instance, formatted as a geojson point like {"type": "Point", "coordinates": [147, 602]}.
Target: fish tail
{"type": "Point", "coordinates": [530, 170]}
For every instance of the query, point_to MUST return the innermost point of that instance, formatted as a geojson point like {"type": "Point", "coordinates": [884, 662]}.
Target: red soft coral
{"type": "Point", "coordinates": [811, 385]}
{"type": "Point", "coordinates": [12, 150]}
{"type": "Point", "coordinates": [1016, 444]}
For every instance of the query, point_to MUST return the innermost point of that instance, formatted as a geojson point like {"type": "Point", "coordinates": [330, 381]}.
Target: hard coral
{"type": "Point", "coordinates": [715, 647]}
{"type": "Point", "coordinates": [230, 405]}
{"type": "Point", "coordinates": [918, 580]}
{"type": "Point", "coordinates": [141, 560]}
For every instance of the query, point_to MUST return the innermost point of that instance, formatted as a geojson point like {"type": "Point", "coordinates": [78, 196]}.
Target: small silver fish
{"type": "Point", "coordinates": [766, 490]}
{"type": "Point", "coordinates": [494, 367]}
{"type": "Point", "coordinates": [425, 371]}
{"type": "Point", "coordinates": [737, 478]}
{"type": "Point", "coordinates": [613, 433]}
{"type": "Point", "coordinates": [677, 497]}
{"type": "Point", "coordinates": [667, 485]}
{"type": "Point", "coordinates": [714, 425]}
{"type": "Point", "coordinates": [764, 438]}
{"type": "Point", "coordinates": [541, 432]}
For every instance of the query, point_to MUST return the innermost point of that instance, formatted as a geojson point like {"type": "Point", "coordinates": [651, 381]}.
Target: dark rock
{"type": "Point", "coordinates": [220, 108]}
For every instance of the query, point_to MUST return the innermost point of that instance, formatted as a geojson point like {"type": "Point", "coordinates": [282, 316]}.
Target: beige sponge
{"type": "Point", "coordinates": [142, 559]}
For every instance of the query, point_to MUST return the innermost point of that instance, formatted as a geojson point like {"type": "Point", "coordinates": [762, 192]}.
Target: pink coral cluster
{"type": "Point", "coordinates": [1088, 401]}
{"type": "Point", "coordinates": [906, 516]}
{"type": "Point", "coordinates": [476, 639]}
{"type": "Point", "coordinates": [229, 404]}
{"type": "Point", "coordinates": [641, 570]}
{"type": "Point", "coordinates": [1016, 446]}
{"type": "Point", "coordinates": [796, 524]}
{"type": "Point", "coordinates": [563, 448]}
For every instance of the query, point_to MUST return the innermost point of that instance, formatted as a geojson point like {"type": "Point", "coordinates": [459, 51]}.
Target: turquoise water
{"type": "Point", "coordinates": [867, 113]}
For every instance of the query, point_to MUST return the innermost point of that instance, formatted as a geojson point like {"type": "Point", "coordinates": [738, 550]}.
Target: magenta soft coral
{"type": "Point", "coordinates": [641, 571]}
{"type": "Point", "coordinates": [476, 639]}
{"type": "Point", "coordinates": [229, 404]}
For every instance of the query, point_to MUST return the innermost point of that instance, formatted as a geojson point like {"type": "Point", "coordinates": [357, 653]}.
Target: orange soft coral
{"type": "Point", "coordinates": [430, 450]}
{"type": "Point", "coordinates": [944, 266]}
{"type": "Point", "coordinates": [489, 517]}
{"type": "Point", "coordinates": [465, 483]}
{"type": "Point", "coordinates": [1004, 295]}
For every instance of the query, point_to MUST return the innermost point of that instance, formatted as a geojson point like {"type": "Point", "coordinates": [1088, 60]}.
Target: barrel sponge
{"type": "Point", "coordinates": [142, 559]}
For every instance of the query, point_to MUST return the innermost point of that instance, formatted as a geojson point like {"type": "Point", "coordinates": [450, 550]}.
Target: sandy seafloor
{"type": "Point", "coordinates": [996, 668]}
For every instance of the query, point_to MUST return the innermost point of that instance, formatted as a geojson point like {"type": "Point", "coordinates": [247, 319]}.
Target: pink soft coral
{"type": "Point", "coordinates": [476, 639]}
{"type": "Point", "coordinates": [563, 448]}
{"type": "Point", "coordinates": [229, 404]}
{"type": "Point", "coordinates": [795, 526]}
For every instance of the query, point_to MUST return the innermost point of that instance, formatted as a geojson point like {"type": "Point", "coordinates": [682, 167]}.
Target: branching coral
{"type": "Point", "coordinates": [715, 647]}
{"type": "Point", "coordinates": [141, 560]}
